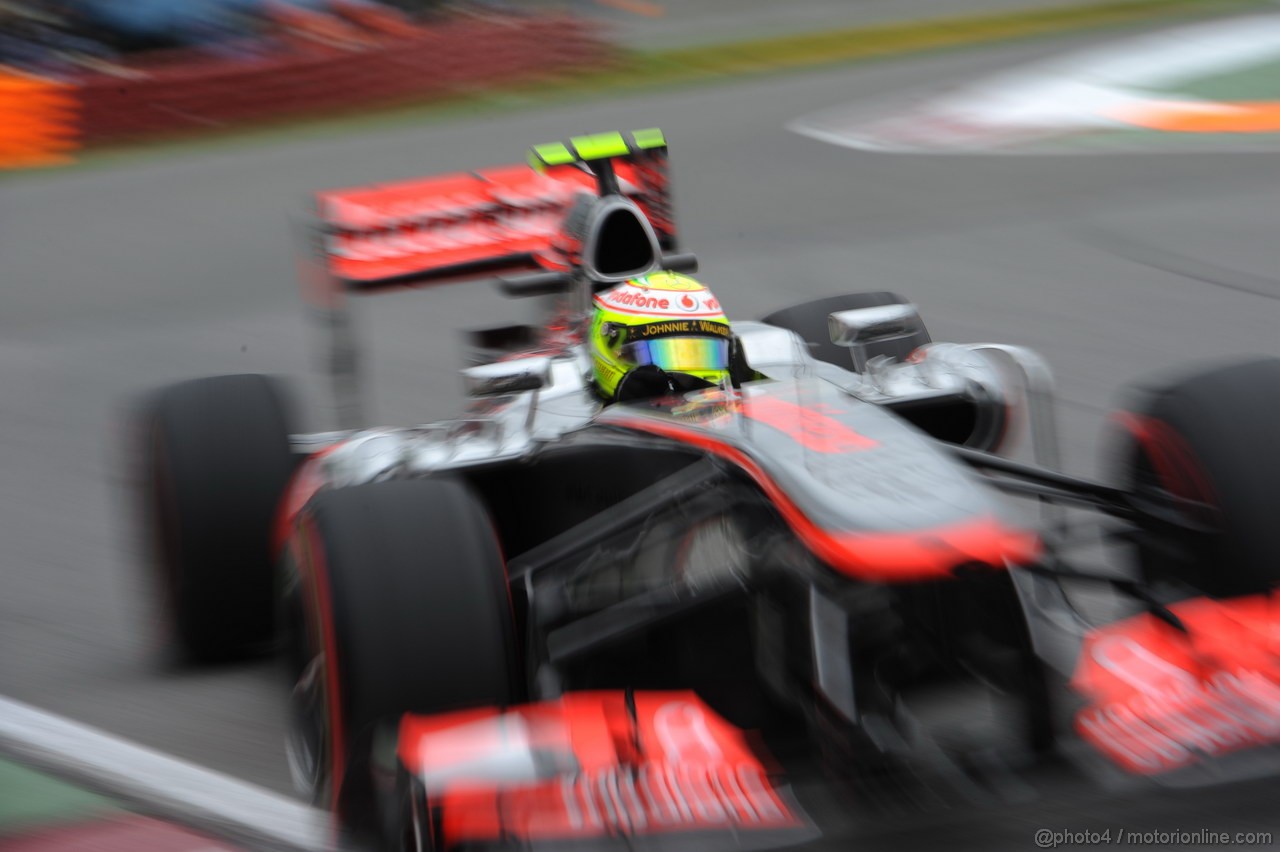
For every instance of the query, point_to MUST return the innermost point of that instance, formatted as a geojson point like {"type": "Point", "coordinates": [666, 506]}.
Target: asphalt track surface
{"type": "Point", "coordinates": [119, 279]}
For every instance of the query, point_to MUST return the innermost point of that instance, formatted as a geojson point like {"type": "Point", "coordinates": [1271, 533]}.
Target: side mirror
{"type": "Point", "coordinates": [860, 327]}
{"type": "Point", "coordinates": [507, 377]}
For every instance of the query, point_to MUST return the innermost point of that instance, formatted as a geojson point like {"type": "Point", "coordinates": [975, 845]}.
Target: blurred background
{"type": "Point", "coordinates": [1099, 181]}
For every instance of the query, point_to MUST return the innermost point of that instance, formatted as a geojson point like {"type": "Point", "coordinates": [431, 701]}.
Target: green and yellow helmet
{"type": "Point", "coordinates": [664, 320]}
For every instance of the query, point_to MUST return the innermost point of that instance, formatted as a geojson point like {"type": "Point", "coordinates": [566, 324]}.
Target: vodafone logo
{"type": "Point", "coordinates": [632, 299]}
{"type": "Point", "coordinates": [645, 301]}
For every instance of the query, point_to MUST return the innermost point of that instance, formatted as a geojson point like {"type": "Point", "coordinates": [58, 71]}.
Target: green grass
{"type": "Point", "coordinates": [891, 39]}
{"type": "Point", "coordinates": [29, 799]}
{"type": "Point", "coordinates": [1260, 82]}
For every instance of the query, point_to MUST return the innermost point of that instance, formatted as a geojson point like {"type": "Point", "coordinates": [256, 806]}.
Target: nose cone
{"type": "Point", "coordinates": [869, 494]}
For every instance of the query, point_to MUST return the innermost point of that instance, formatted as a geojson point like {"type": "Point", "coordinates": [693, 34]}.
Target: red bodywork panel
{"type": "Point", "coordinates": [1160, 699]}
{"type": "Point", "coordinates": [580, 767]}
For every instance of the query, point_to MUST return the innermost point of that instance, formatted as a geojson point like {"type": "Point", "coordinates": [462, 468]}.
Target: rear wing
{"type": "Point", "coordinates": [578, 215]}
{"type": "Point", "coordinates": [488, 224]}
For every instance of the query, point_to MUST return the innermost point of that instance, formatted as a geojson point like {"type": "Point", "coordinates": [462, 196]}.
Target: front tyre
{"type": "Point", "coordinates": [414, 825]}
{"type": "Point", "coordinates": [405, 609]}
{"type": "Point", "coordinates": [1210, 438]}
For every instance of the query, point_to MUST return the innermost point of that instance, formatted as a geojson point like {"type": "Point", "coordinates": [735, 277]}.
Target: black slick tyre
{"type": "Point", "coordinates": [216, 460]}
{"type": "Point", "coordinates": [406, 610]}
{"type": "Point", "coordinates": [1210, 438]}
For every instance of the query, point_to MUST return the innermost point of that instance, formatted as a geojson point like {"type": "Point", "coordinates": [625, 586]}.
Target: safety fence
{"type": "Point", "coordinates": [171, 98]}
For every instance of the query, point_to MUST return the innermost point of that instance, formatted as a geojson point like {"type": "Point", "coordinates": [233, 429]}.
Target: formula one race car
{"type": "Point", "coordinates": [552, 619]}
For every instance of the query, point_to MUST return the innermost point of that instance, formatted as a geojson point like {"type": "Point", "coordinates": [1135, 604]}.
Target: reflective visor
{"type": "Point", "coordinates": [679, 354]}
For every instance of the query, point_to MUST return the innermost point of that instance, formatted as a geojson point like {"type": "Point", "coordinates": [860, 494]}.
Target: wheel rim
{"type": "Point", "coordinates": [415, 837]}
{"type": "Point", "coordinates": [308, 737]}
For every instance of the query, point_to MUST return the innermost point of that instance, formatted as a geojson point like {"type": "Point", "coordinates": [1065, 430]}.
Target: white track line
{"type": "Point", "coordinates": [160, 784]}
{"type": "Point", "coordinates": [1080, 91]}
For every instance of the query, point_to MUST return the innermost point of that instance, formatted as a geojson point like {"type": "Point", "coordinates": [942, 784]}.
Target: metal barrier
{"type": "Point", "coordinates": [162, 785]}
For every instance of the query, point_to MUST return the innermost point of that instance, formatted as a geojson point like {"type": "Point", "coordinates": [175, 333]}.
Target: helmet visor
{"type": "Point", "coordinates": [679, 354]}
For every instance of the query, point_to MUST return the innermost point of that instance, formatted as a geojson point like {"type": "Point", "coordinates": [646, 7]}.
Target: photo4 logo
{"type": "Point", "coordinates": [1047, 838]}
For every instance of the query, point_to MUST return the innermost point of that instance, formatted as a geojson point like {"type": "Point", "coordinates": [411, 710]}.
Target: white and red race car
{"type": "Point", "coordinates": [546, 621]}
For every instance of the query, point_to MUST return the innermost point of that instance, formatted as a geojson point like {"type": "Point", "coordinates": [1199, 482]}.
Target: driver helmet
{"type": "Point", "coordinates": [659, 333]}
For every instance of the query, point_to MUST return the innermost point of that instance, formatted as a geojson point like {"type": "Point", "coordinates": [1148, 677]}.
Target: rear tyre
{"type": "Point", "coordinates": [1211, 438]}
{"type": "Point", "coordinates": [809, 320]}
{"type": "Point", "coordinates": [216, 460]}
{"type": "Point", "coordinates": [405, 609]}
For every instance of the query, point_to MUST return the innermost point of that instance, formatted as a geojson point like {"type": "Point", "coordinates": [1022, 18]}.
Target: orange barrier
{"type": "Point", "coordinates": [38, 120]}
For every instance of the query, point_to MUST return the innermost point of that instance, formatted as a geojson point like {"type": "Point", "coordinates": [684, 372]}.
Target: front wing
{"type": "Point", "coordinates": [609, 769]}
{"type": "Point", "coordinates": [1185, 706]}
